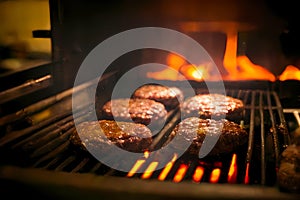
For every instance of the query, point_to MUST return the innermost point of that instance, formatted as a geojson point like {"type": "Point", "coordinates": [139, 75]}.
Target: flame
{"type": "Point", "coordinates": [198, 174]}
{"type": "Point", "coordinates": [241, 67]}
{"type": "Point", "coordinates": [180, 173]}
{"type": "Point", "coordinates": [232, 174]}
{"type": "Point", "coordinates": [149, 171]}
{"type": "Point", "coordinates": [247, 180]}
{"type": "Point", "coordinates": [238, 67]}
{"type": "Point", "coordinates": [146, 154]}
{"type": "Point", "coordinates": [162, 176]}
{"type": "Point", "coordinates": [215, 175]}
{"type": "Point", "coordinates": [135, 167]}
{"type": "Point", "coordinates": [290, 73]}
{"type": "Point", "coordinates": [174, 62]}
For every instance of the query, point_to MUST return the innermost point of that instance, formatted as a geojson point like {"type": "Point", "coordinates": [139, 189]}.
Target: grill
{"type": "Point", "coordinates": [44, 144]}
{"type": "Point", "coordinates": [36, 115]}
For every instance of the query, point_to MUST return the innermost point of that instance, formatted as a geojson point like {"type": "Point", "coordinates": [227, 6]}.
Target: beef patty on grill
{"type": "Point", "coordinates": [169, 96]}
{"type": "Point", "coordinates": [144, 111]}
{"type": "Point", "coordinates": [217, 105]}
{"type": "Point", "coordinates": [127, 135]}
{"type": "Point", "coordinates": [231, 136]}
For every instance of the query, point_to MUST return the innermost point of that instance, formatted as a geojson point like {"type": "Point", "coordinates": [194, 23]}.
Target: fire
{"type": "Point", "coordinates": [167, 169]}
{"type": "Point", "coordinates": [290, 73]}
{"type": "Point", "coordinates": [138, 165]}
{"type": "Point", "coordinates": [149, 171]}
{"type": "Point", "coordinates": [241, 67]}
{"type": "Point", "coordinates": [247, 179]}
{"type": "Point", "coordinates": [215, 175]}
{"type": "Point", "coordinates": [174, 62]}
{"type": "Point", "coordinates": [180, 173]}
{"type": "Point", "coordinates": [237, 67]}
{"type": "Point", "coordinates": [135, 167]}
{"type": "Point", "coordinates": [232, 174]}
{"type": "Point", "coordinates": [198, 174]}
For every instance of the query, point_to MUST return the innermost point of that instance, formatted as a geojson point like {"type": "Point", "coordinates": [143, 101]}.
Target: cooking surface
{"type": "Point", "coordinates": [45, 145]}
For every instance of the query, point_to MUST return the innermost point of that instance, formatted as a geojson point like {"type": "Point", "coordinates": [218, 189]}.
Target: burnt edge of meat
{"type": "Point", "coordinates": [126, 135]}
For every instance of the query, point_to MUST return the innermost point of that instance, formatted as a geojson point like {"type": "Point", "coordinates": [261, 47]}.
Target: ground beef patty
{"type": "Point", "coordinates": [127, 135]}
{"type": "Point", "coordinates": [208, 105]}
{"type": "Point", "coordinates": [232, 135]}
{"type": "Point", "coordinates": [289, 168]}
{"type": "Point", "coordinates": [169, 96]}
{"type": "Point", "coordinates": [144, 111]}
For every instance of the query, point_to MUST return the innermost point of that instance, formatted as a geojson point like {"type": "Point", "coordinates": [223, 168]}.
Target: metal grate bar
{"type": "Point", "coordinates": [251, 129]}
{"type": "Point", "coordinates": [262, 138]}
{"type": "Point", "coordinates": [287, 139]}
{"type": "Point", "coordinates": [81, 165]}
{"type": "Point", "coordinates": [65, 163]}
{"type": "Point", "coordinates": [274, 132]}
{"type": "Point", "coordinates": [51, 145]}
{"type": "Point", "coordinates": [54, 128]}
{"type": "Point", "coordinates": [53, 154]}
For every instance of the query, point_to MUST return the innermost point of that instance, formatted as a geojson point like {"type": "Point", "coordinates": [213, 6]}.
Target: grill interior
{"type": "Point", "coordinates": [44, 142]}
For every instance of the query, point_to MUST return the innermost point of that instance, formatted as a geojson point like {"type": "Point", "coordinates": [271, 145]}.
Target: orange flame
{"type": "Point", "coordinates": [215, 175]}
{"type": "Point", "coordinates": [149, 171]}
{"type": "Point", "coordinates": [138, 164]}
{"type": "Point", "coordinates": [241, 68]}
{"type": "Point", "coordinates": [198, 174]}
{"type": "Point", "coordinates": [135, 167]}
{"type": "Point", "coordinates": [247, 179]}
{"type": "Point", "coordinates": [162, 176]}
{"type": "Point", "coordinates": [232, 174]}
{"type": "Point", "coordinates": [180, 173]}
{"type": "Point", "coordinates": [238, 67]}
{"type": "Point", "coordinates": [146, 154]}
{"type": "Point", "coordinates": [290, 73]}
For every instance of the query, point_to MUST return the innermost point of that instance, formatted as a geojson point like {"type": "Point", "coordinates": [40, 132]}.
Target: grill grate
{"type": "Point", "coordinates": [46, 145]}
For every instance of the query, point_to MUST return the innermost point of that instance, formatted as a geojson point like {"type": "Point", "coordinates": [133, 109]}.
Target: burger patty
{"type": "Point", "coordinates": [231, 136]}
{"type": "Point", "coordinates": [289, 169]}
{"type": "Point", "coordinates": [144, 111]}
{"type": "Point", "coordinates": [170, 97]}
{"type": "Point", "coordinates": [217, 105]}
{"type": "Point", "coordinates": [127, 135]}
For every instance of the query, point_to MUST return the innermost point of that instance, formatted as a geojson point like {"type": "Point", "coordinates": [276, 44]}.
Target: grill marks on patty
{"type": "Point", "coordinates": [144, 111]}
{"type": "Point", "coordinates": [213, 105]}
{"type": "Point", "coordinates": [170, 97]}
{"type": "Point", "coordinates": [127, 135]}
{"type": "Point", "coordinates": [195, 130]}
